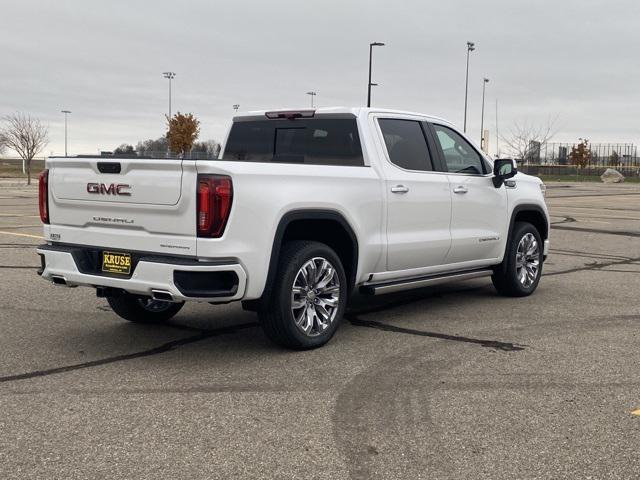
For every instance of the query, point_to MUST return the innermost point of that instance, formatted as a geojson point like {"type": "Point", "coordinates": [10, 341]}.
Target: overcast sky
{"type": "Point", "coordinates": [103, 60]}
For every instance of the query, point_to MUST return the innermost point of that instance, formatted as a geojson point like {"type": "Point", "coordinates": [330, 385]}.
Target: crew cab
{"type": "Point", "coordinates": [302, 210]}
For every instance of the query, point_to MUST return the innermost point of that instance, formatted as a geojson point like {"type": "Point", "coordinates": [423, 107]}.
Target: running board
{"type": "Point", "coordinates": [419, 282]}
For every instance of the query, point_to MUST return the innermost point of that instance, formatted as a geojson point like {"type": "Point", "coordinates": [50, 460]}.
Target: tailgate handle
{"type": "Point", "coordinates": [109, 167]}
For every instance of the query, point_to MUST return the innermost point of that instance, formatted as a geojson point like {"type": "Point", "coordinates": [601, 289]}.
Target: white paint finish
{"type": "Point", "coordinates": [417, 221]}
{"type": "Point", "coordinates": [418, 211]}
{"type": "Point", "coordinates": [167, 227]}
{"type": "Point", "coordinates": [152, 181]}
{"type": "Point", "coordinates": [148, 276]}
{"type": "Point", "coordinates": [411, 231]}
{"type": "Point", "coordinates": [265, 192]}
{"type": "Point", "coordinates": [479, 218]}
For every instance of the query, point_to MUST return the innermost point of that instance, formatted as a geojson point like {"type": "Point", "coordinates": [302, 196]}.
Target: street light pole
{"type": "Point", "coordinates": [497, 137]}
{"type": "Point", "coordinates": [312, 94]}
{"type": "Point", "coordinates": [470, 48]}
{"type": "Point", "coordinates": [66, 112]}
{"type": "Point", "coordinates": [170, 76]}
{"type": "Point", "coordinates": [484, 84]}
{"type": "Point", "coordinates": [371, 45]}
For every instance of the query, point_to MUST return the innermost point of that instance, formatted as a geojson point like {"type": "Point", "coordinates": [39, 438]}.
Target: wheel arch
{"type": "Point", "coordinates": [532, 213]}
{"type": "Point", "coordinates": [307, 224]}
{"type": "Point", "coordinates": [528, 212]}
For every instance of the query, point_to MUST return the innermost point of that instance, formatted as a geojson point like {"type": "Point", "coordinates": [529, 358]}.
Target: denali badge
{"type": "Point", "coordinates": [112, 220]}
{"type": "Point", "coordinates": [111, 189]}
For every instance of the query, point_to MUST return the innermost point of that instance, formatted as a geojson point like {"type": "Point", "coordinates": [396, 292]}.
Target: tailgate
{"type": "Point", "coordinates": [149, 182]}
{"type": "Point", "coordinates": [136, 204]}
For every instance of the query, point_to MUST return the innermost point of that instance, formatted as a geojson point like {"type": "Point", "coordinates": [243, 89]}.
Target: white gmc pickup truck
{"type": "Point", "coordinates": [303, 209]}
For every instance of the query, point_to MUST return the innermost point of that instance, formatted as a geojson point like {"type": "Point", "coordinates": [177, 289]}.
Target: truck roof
{"type": "Point", "coordinates": [357, 111]}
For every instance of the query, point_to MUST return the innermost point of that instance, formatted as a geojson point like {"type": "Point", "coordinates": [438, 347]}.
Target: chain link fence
{"type": "Point", "coordinates": [554, 159]}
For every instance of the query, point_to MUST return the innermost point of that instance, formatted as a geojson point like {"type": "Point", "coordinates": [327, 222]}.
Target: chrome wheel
{"type": "Point", "coordinates": [153, 305]}
{"type": "Point", "coordinates": [528, 260]}
{"type": "Point", "coordinates": [315, 296]}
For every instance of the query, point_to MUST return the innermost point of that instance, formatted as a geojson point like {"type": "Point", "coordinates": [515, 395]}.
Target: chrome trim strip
{"type": "Point", "coordinates": [390, 287]}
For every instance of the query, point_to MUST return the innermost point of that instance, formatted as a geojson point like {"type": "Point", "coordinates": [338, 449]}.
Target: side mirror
{"type": "Point", "coordinates": [503, 168]}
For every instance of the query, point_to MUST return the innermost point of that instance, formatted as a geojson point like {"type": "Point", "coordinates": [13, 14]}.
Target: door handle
{"type": "Point", "coordinates": [399, 189]}
{"type": "Point", "coordinates": [460, 189]}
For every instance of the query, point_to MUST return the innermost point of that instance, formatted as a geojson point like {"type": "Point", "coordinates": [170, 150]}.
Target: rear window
{"type": "Point", "coordinates": [314, 141]}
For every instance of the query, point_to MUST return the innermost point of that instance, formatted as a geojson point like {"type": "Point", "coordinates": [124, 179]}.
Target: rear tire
{"type": "Point", "coordinates": [140, 309]}
{"type": "Point", "coordinates": [520, 271]}
{"type": "Point", "coordinates": [308, 297]}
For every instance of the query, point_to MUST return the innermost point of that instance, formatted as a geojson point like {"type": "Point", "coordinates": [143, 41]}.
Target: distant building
{"type": "Point", "coordinates": [562, 155]}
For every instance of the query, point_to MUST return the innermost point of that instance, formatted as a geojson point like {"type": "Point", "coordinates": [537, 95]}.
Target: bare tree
{"type": "Point", "coordinates": [526, 139]}
{"type": "Point", "coordinates": [152, 148]}
{"type": "Point", "coordinates": [125, 149]}
{"type": "Point", "coordinates": [206, 149]}
{"type": "Point", "coordinates": [3, 143]}
{"type": "Point", "coordinates": [25, 135]}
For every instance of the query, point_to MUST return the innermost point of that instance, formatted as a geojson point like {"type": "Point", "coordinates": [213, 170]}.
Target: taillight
{"type": "Point", "coordinates": [215, 194]}
{"type": "Point", "coordinates": [43, 196]}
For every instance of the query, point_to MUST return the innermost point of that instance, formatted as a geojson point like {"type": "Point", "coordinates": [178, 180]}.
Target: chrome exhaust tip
{"type": "Point", "coordinates": [58, 280]}
{"type": "Point", "coordinates": [162, 295]}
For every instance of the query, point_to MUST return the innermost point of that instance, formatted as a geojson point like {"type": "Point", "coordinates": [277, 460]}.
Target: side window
{"type": "Point", "coordinates": [459, 155]}
{"type": "Point", "coordinates": [406, 144]}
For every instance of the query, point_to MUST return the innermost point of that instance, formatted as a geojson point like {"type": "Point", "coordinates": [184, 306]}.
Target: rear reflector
{"type": "Point", "coordinates": [215, 195]}
{"type": "Point", "coordinates": [43, 196]}
{"type": "Point", "coordinates": [291, 115]}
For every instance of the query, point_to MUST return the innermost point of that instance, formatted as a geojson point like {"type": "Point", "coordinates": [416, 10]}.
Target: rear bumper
{"type": "Point", "coordinates": [182, 278]}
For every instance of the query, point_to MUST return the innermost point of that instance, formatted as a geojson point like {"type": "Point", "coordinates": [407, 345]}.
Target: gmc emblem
{"type": "Point", "coordinates": [111, 189]}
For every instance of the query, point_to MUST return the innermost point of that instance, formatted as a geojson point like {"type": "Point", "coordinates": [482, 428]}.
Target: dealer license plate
{"type": "Point", "coordinates": [113, 262]}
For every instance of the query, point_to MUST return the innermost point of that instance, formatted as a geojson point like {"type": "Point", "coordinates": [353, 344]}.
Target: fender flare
{"type": "Point", "coordinates": [524, 207]}
{"type": "Point", "coordinates": [529, 207]}
{"type": "Point", "coordinates": [285, 221]}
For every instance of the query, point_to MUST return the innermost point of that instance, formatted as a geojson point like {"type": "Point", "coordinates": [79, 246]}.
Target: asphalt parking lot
{"type": "Point", "coordinates": [446, 383]}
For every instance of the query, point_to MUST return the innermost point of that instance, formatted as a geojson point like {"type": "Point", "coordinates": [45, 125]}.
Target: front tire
{"type": "Point", "coordinates": [139, 309]}
{"type": "Point", "coordinates": [520, 271]}
{"type": "Point", "coordinates": [308, 298]}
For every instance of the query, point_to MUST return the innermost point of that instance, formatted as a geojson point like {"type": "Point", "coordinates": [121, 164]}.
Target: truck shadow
{"type": "Point", "coordinates": [237, 323]}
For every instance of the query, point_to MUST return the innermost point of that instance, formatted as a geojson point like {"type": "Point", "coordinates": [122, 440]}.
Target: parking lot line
{"type": "Point", "coordinates": [22, 235]}
{"type": "Point", "coordinates": [636, 412]}
{"type": "Point", "coordinates": [21, 226]}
